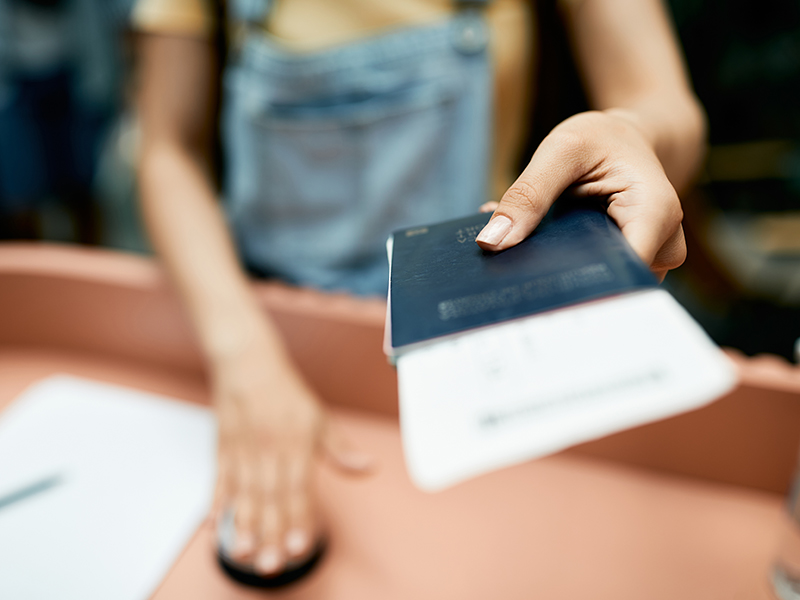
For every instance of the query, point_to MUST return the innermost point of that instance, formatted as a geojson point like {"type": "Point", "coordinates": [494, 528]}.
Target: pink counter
{"type": "Point", "coordinates": [687, 508]}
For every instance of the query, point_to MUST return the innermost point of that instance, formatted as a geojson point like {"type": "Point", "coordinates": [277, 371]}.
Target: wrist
{"type": "Point", "coordinates": [635, 120]}
{"type": "Point", "coordinates": [677, 136]}
{"type": "Point", "coordinates": [228, 333]}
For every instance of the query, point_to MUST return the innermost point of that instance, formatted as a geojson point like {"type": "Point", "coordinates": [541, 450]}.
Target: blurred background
{"type": "Point", "coordinates": [68, 146]}
{"type": "Point", "coordinates": [742, 280]}
{"type": "Point", "coordinates": [67, 142]}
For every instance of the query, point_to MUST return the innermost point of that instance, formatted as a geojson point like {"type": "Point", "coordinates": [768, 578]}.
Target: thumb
{"type": "Point", "coordinates": [338, 448]}
{"type": "Point", "coordinates": [554, 167]}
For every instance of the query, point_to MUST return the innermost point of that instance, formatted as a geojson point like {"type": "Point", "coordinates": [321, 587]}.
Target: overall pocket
{"type": "Point", "coordinates": [328, 153]}
{"type": "Point", "coordinates": [343, 154]}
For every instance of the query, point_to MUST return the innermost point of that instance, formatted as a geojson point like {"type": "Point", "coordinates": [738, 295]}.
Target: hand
{"type": "Point", "coordinates": [596, 154]}
{"type": "Point", "coordinates": [271, 428]}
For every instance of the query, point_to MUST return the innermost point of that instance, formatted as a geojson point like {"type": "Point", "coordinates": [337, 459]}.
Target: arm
{"type": "Point", "coordinates": [183, 218]}
{"type": "Point", "coordinates": [630, 61]}
{"type": "Point", "coordinates": [644, 141]}
{"type": "Point", "coordinates": [271, 424]}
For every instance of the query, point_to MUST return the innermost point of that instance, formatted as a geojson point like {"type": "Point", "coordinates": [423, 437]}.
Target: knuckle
{"type": "Point", "coordinates": [679, 259]}
{"type": "Point", "coordinates": [565, 139]}
{"type": "Point", "coordinates": [569, 142]}
{"type": "Point", "coordinates": [523, 195]}
{"type": "Point", "coordinates": [678, 213]}
{"type": "Point", "coordinates": [675, 257]}
{"type": "Point", "coordinates": [673, 254]}
{"type": "Point", "coordinates": [680, 254]}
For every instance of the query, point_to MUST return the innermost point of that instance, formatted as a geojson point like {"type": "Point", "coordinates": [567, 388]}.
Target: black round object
{"type": "Point", "coordinates": [246, 575]}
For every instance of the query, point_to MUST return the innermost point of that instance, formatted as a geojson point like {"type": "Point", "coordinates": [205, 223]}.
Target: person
{"type": "Point", "coordinates": [342, 121]}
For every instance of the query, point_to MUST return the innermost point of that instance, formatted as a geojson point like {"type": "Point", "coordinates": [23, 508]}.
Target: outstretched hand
{"type": "Point", "coordinates": [601, 154]}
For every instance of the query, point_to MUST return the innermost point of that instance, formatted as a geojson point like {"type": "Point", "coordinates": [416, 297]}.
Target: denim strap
{"type": "Point", "coordinates": [470, 32]}
{"type": "Point", "coordinates": [249, 11]}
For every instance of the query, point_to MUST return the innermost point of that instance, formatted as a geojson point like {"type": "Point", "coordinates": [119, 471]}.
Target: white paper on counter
{"type": "Point", "coordinates": [136, 480]}
{"type": "Point", "coordinates": [507, 393]}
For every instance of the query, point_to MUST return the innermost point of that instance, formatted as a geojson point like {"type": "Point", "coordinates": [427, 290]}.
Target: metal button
{"type": "Point", "coordinates": [470, 33]}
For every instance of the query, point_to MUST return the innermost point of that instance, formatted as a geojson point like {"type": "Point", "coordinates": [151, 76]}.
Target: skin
{"type": "Point", "coordinates": [271, 423]}
{"type": "Point", "coordinates": [642, 143]}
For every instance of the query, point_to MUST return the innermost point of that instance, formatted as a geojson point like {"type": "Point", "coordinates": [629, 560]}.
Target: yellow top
{"type": "Point", "coordinates": [309, 25]}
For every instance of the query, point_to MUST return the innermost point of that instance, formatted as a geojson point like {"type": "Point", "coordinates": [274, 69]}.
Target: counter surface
{"type": "Point", "coordinates": [574, 525]}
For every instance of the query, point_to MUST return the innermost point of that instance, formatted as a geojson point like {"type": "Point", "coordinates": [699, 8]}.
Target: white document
{"type": "Point", "coordinates": [506, 393]}
{"type": "Point", "coordinates": [130, 478]}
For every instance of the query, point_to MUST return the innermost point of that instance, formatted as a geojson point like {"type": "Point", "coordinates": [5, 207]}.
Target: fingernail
{"type": "Point", "coordinates": [297, 542]}
{"type": "Point", "coordinates": [268, 561]}
{"type": "Point", "coordinates": [495, 230]}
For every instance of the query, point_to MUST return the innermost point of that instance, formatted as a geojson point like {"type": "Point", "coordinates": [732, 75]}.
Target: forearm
{"type": "Point", "coordinates": [189, 233]}
{"type": "Point", "coordinates": [632, 68]}
{"type": "Point", "coordinates": [179, 81]}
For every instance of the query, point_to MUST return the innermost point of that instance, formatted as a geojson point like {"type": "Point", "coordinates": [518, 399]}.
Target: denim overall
{"type": "Point", "coordinates": [329, 152]}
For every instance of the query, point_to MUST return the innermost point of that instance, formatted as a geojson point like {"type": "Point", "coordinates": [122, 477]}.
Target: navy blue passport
{"type": "Point", "coordinates": [441, 282]}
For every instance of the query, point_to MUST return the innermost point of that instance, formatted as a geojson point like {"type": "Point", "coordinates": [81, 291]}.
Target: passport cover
{"type": "Point", "coordinates": [442, 282]}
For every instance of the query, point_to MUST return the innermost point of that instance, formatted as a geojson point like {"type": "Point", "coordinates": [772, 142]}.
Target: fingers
{"type": "Point", "coordinates": [672, 254]}
{"type": "Point", "coordinates": [269, 493]}
{"type": "Point", "coordinates": [286, 527]}
{"type": "Point", "coordinates": [602, 155]}
{"type": "Point", "coordinates": [557, 163]}
{"type": "Point", "coordinates": [223, 491]}
{"type": "Point", "coordinates": [226, 476]}
{"type": "Point", "coordinates": [649, 215]}
{"type": "Point", "coordinates": [660, 256]}
{"type": "Point", "coordinates": [265, 495]}
{"type": "Point", "coordinates": [245, 504]}
{"type": "Point", "coordinates": [300, 522]}
{"type": "Point", "coordinates": [273, 523]}
{"type": "Point", "coordinates": [270, 558]}
{"type": "Point", "coordinates": [235, 500]}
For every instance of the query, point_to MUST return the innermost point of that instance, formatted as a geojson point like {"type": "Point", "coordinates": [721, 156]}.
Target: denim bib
{"type": "Point", "coordinates": [329, 152]}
